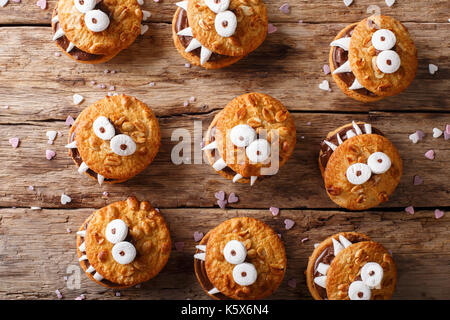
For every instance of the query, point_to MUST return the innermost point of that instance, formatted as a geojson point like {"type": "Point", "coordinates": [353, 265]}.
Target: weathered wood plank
{"type": "Point", "coordinates": [325, 11]}
{"type": "Point", "coordinates": [297, 185]}
{"type": "Point", "coordinates": [420, 245]}
{"type": "Point", "coordinates": [285, 67]}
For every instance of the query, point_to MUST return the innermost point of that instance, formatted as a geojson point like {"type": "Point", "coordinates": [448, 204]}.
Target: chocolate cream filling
{"type": "Point", "coordinates": [340, 56]}
{"type": "Point", "coordinates": [183, 23]}
{"type": "Point", "coordinates": [327, 257]}
{"type": "Point", "coordinates": [77, 53]}
{"type": "Point", "coordinates": [327, 151]}
{"type": "Point", "coordinates": [75, 155]}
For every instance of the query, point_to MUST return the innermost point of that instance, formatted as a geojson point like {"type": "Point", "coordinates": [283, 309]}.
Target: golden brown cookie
{"type": "Point", "coordinates": [114, 139]}
{"type": "Point", "coordinates": [337, 57]}
{"type": "Point", "coordinates": [216, 61]}
{"type": "Point", "coordinates": [349, 265]}
{"type": "Point", "coordinates": [96, 30]}
{"type": "Point", "coordinates": [123, 244]}
{"type": "Point", "coordinates": [213, 28]}
{"type": "Point", "coordinates": [382, 55]}
{"type": "Point", "coordinates": [254, 136]}
{"type": "Point", "coordinates": [76, 54]}
{"type": "Point", "coordinates": [243, 259]}
{"type": "Point", "coordinates": [361, 168]}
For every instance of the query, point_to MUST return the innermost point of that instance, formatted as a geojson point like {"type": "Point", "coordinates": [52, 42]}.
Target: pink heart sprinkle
{"type": "Point", "coordinates": [69, 121]}
{"type": "Point", "coordinates": [420, 134]}
{"type": "Point", "coordinates": [417, 180]}
{"type": "Point", "coordinates": [222, 203]}
{"type": "Point", "coordinates": [410, 209]}
{"type": "Point", "coordinates": [438, 213]}
{"type": "Point", "coordinates": [14, 142]}
{"type": "Point", "coordinates": [292, 283]}
{"type": "Point", "coordinates": [429, 154]}
{"type": "Point", "coordinates": [179, 246]}
{"type": "Point", "coordinates": [446, 135]}
{"type": "Point", "coordinates": [275, 211]}
{"type": "Point", "coordinates": [220, 195]}
{"type": "Point", "coordinates": [326, 69]}
{"type": "Point", "coordinates": [288, 223]}
{"type": "Point", "coordinates": [447, 129]}
{"type": "Point", "coordinates": [198, 236]}
{"type": "Point", "coordinates": [49, 154]}
{"type": "Point", "coordinates": [232, 198]}
{"type": "Point", "coordinates": [285, 8]}
{"type": "Point", "coordinates": [304, 240]}
{"type": "Point", "coordinates": [271, 28]}
{"type": "Point", "coordinates": [42, 4]}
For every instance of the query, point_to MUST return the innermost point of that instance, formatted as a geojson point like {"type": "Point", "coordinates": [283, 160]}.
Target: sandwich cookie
{"type": "Point", "coordinates": [123, 244]}
{"type": "Point", "coordinates": [114, 139]}
{"type": "Point", "coordinates": [350, 266]}
{"type": "Point", "coordinates": [218, 33]}
{"type": "Point", "coordinates": [360, 167]}
{"type": "Point", "coordinates": [252, 137]}
{"type": "Point", "coordinates": [242, 258]}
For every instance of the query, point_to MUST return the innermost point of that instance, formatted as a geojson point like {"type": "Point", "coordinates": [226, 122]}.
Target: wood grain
{"type": "Point", "coordinates": [420, 246]}
{"type": "Point", "coordinates": [324, 11]}
{"type": "Point", "coordinates": [284, 67]}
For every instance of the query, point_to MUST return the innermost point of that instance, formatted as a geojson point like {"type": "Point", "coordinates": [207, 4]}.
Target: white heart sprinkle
{"type": "Point", "coordinates": [3, 3]}
{"type": "Point", "coordinates": [144, 28]}
{"type": "Point", "coordinates": [390, 3]}
{"type": "Point", "coordinates": [77, 99]}
{"type": "Point", "coordinates": [65, 199]}
{"type": "Point", "coordinates": [414, 138]}
{"type": "Point", "coordinates": [324, 85]}
{"type": "Point", "coordinates": [145, 14]}
{"type": "Point", "coordinates": [437, 133]}
{"type": "Point", "coordinates": [432, 68]}
{"type": "Point", "coordinates": [348, 2]}
{"type": "Point", "coordinates": [51, 135]}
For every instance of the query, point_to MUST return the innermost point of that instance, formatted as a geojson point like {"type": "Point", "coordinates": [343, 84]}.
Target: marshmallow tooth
{"type": "Point", "coordinates": [344, 241]}
{"type": "Point", "coordinates": [201, 247]}
{"type": "Point", "coordinates": [337, 247]}
{"type": "Point", "coordinates": [213, 291]}
{"type": "Point", "coordinates": [237, 177]}
{"type": "Point", "coordinates": [70, 47]}
{"type": "Point", "coordinates": [321, 281]}
{"type": "Point", "coordinates": [357, 128]}
{"type": "Point", "coordinates": [186, 32]}
{"type": "Point", "coordinates": [200, 256]}
{"type": "Point", "coordinates": [372, 274]}
{"type": "Point", "coordinates": [81, 233]}
{"type": "Point", "coordinates": [100, 179]}
{"type": "Point", "coordinates": [211, 146]}
{"type": "Point", "coordinates": [72, 145]}
{"type": "Point", "coordinates": [350, 134]}
{"type": "Point", "coordinates": [83, 168]}
{"type": "Point", "coordinates": [90, 269]}
{"type": "Point", "coordinates": [356, 85]}
{"type": "Point", "coordinates": [194, 44]}
{"type": "Point", "coordinates": [330, 144]}
{"type": "Point", "coordinates": [82, 247]}
{"type": "Point", "coordinates": [58, 34]}
{"type": "Point", "coordinates": [343, 43]}
{"type": "Point", "coordinates": [219, 164]}
{"type": "Point", "coordinates": [55, 19]}
{"type": "Point", "coordinates": [182, 4]}
{"type": "Point", "coordinates": [205, 54]}
{"type": "Point", "coordinates": [253, 180]}
{"type": "Point", "coordinates": [368, 128]}
{"type": "Point", "coordinates": [344, 68]}
{"type": "Point", "coordinates": [339, 139]}
{"type": "Point", "coordinates": [323, 268]}
{"type": "Point", "coordinates": [98, 277]}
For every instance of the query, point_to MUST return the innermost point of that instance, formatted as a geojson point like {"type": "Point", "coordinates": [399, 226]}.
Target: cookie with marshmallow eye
{"type": "Point", "coordinates": [94, 31]}
{"type": "Point", "coordinates": [114, 139]}
{"type": "Point", "coordinates": [351, 266]}
{"type": "Point", "coordinates": [251, 138]}
{"type": "Point", "coordinates": [242, 258]}
{"type": "Point", "coordinates": [373, 59]}
{"type": "Point", "coordinates": [218, 33]}
{"type": "Point", "coordinates": [361, 168]}
{"type": "Point", "coordinates": [123, 244]}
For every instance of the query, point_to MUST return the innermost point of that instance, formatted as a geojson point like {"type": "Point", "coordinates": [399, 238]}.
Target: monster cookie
{"type": "Point", "coordinates": [114, 139]}
{"type": "Point", "coordinates": [373, 59]}
{"type": "Point", "coordinates": [360, 167]}
{"type": "Point", "coordinates": [93, 31]}
{"type": "Point", "coordinates": [350, 266]}
{"type": "Point", "coordinates": [252, 137]}
{"type": "Point", "coordinates": [123, 244]}
{"type": "Point", "coordinates": [217, 33]}
{"type": "Point", "coordinates": [242, 258]}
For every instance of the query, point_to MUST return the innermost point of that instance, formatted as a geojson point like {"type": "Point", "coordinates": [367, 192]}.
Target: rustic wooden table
{"type": "Point", "coordinates": [37, 251]}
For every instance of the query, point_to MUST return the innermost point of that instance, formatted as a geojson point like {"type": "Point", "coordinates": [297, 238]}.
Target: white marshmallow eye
{"type": "Point", "coordinates": [383, 39]}
{"type": "Point", "coordinates": [258, 151]}
{"type": "Point", "coordinates": [217, 5]}
{"type": "Point", "coordinates": [123, 145]}
{"type": "Point", "coordinates": [358, 173]}
{"type": "Point", "coordinates": [242, 135]}
{"type": "Point", "coordinates": [388, 61]}
{"type": "Point", "coordinates": [372, 274]}
{"type": "Point", "coordinates": [225, 23]}
{"type": "Point", "coordinates": [116, 231]}
{"type": "Point", "coordinates": [103, 128]}
{"type": "Point", "coordinates": [123, 252]}
{"type": "Point", "coordinates": [379, 162]}
{"type": "Point", "coordinates": [96, 20]}
{"type": "Point", "coordinates": [245, 274]}
{"type": "Point", "coordinates": [234, 252]}
{"type": "Point", "coordinates": [359, 291]}
{"type": "Point", "coordinates": [85, 5]}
